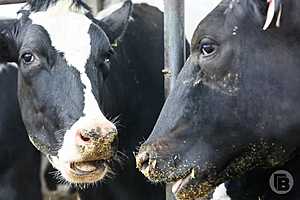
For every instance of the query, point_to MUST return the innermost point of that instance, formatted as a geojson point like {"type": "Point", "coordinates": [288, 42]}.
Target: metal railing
{"type": "Point", "coordinates": [174, 50]}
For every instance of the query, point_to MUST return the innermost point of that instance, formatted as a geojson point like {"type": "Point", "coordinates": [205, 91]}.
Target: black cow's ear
{"type": "Point", "coordinates": [8, 47]}
{"type": "Point", "coordinates": [115, 23]}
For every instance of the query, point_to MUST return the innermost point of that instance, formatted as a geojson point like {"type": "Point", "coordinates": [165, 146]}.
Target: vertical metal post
{"type": "Point", "coordinates": [175, 51]}
{"type": "Point", "coordinates": [174, 41]}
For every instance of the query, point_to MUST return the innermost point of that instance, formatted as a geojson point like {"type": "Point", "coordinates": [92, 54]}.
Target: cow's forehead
{"type": "Point", "coordinates": [69, 34]}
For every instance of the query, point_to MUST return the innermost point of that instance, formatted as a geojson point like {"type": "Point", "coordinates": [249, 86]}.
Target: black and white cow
{"type": "Point", "coordinates": [64, 57]}
{"type": "Point", "coordinates": [234, 111]}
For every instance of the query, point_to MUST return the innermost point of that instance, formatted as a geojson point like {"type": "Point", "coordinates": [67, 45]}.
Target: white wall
{"type": "Point", "coordinates": [9, 11]}
{"type": "Point", "coordinates": [195, 11]}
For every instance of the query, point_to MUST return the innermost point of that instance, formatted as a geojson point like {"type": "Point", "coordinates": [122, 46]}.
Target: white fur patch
{"type": "Point", "coordinates": [68, 32]}
{"type": "Point", "coordinates": [220, 193]}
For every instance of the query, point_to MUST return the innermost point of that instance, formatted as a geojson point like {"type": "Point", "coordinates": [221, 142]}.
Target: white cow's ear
{"type": "Point", "coordinates": [8, 47]}
{"type": "Point", "coordinates": [114, 20]}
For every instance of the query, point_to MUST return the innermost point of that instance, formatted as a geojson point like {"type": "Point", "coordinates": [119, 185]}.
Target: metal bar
{"type": "Point", "coordinates": [174, 41]}
{"type": "Point", "coordinates": [3, 2]}
{"type": "Point", "coordinates": [174, 50]}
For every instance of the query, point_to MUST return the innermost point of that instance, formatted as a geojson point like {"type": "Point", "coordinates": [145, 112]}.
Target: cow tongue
{"type": "Point", "coordinates": [176, 186]}
{"type": "Point", "coordinates": [85, 166]}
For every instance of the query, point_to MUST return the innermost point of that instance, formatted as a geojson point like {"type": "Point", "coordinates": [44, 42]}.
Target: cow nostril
{"type": "Point", "coordinates": [143, 161]}
{"type": "Point", "coordinates": [84, 138]}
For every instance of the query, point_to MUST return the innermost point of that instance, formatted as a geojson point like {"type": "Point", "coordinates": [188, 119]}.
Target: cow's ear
{"type": "Point", "coordinates": [269, 12]}
{"type": "Point", "coordinates": [8, 47]}
{"type": "Point", "coordinates": [114, 20]}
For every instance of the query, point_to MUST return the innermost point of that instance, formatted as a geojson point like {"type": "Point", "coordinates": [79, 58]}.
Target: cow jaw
{"type": "Point", "coordinates": [194, 179]}
{"type": "Point", "coordinates": [186, 189]}
{"type": "Point", "coordinates": [80, 172]}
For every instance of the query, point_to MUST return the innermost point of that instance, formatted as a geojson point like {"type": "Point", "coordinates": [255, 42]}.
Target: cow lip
{"type": "Point", "coordinates": [84, 168]}
{"type": "Point", "coordinates": [81, 171]}
{"type": "Point", "coordinates": [179, 184]}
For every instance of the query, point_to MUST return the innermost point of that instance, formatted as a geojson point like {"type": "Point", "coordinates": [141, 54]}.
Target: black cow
{"type": "Point", "coordinates": [68, 70]}
{"type": "Point", "coordinates": [20, 175]}
{"type": "Point", "coordinates": [235, 107]}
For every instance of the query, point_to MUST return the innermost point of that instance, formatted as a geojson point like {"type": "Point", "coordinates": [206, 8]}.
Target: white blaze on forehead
{"type": "Point", "coordinates": [69, 34]}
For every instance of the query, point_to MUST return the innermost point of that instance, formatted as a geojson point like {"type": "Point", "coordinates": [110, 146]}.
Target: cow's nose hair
{"type": "Point", "coordinates": [143, 160]}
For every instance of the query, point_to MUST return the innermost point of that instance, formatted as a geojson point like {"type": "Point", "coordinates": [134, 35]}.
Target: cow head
{"type": "Point", "coordinates": [63, 57]}
{"type": "Point", "coordinates": [235, 105]}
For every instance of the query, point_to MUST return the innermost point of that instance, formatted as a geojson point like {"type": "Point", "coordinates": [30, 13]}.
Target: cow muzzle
{"type": "Point", "coordinates": [87, 149]}
{"type": "Point", "coordinates": [188, 181]}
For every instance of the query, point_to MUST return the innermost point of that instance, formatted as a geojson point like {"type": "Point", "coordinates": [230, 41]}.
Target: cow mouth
{"type": "Point", "coordinates": [196, 183]}
{"type": "Point", "coordinates": [86, 167]}
{"type": "Point", "coordinates": [192, 186]}
{"type": "Point", "coordinates": [81, 171]}
{"type": "Point", "coordinates": [181, 183]}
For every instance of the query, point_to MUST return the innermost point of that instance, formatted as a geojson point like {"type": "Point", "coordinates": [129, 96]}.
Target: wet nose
{"type": "Point", "coordinates": [86, 136]}
{"type": "Point", "coordinates": [142, 160]}
{"type": "Point", "coordinates": [89, 136]}
{"type": "Point", "coordinates": [146, 162]}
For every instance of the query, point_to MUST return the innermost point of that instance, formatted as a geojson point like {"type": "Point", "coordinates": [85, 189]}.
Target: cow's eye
{"type": "Point", "coordinates": [207, 47]}
{"type": "Point", "coordinates": [27, 58]}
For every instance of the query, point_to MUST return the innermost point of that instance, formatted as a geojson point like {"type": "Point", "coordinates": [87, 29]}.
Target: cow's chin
{"type": "Point", "coordinates": [81, 172]}
{"type": "Point", "coordinates": [194, 187]}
